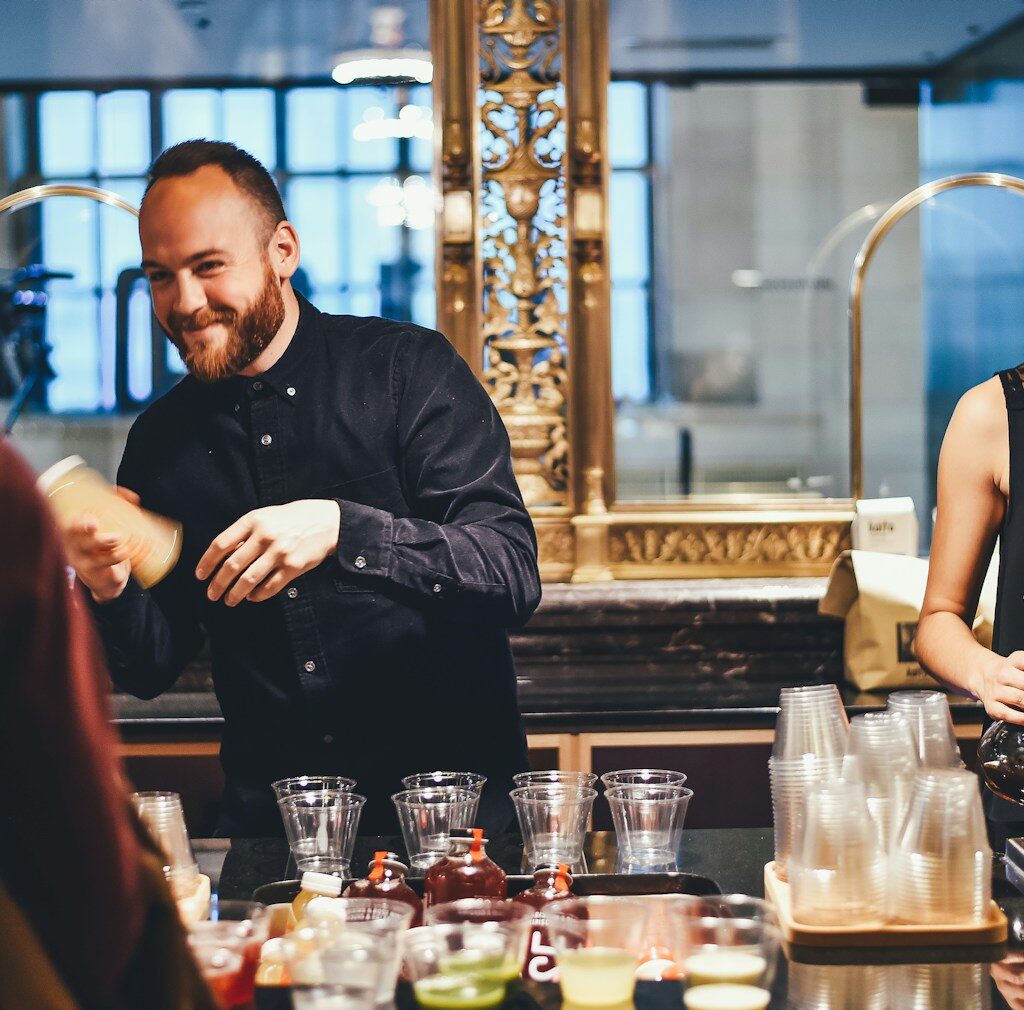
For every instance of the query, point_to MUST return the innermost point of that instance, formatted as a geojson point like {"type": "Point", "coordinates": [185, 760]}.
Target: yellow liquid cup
{"type": "Point", "coordinates": [153, 541]}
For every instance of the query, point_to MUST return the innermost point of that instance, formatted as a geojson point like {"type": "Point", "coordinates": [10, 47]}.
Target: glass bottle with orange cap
{"type": "Point", "coordinates": [550, 883]}
{"type": "Point", "coordinates": [466, 872]}
{"type": "Point", "coordinates": [386, 879]}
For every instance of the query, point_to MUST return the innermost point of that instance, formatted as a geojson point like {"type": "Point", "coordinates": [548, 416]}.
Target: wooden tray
{"type": "Point", "coordinates": [583, 884]}
{"type": "Point", "coordinates": [989, 933]}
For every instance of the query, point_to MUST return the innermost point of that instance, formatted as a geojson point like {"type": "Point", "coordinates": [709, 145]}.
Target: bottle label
{"type": "Point", "coordinates": [540, 959]}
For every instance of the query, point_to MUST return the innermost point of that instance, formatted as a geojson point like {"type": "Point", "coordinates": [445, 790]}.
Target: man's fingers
{"type": "Point", "coordinates": [249, 580]}
{"type": "Point", "coordinates": [272, 586]}
{"type": "Point", "coordinates": [127, 494]}
{"type": "Point", "coordinates": [232, 567]}
{"type": "Point", "coordinates": [1000, 711]}
{"type": "Point", "coordinates": [222, 546]}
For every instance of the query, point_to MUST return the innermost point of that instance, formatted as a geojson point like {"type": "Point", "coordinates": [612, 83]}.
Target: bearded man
{"type": "Point", "coordinates": [355, 545]}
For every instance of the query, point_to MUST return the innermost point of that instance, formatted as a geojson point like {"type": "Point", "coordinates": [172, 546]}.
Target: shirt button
{"type": "Point", "coordinates": [310, 666]}
{"type": "Point", "coordinates": [292, 592]}
{"type": "Point", "coordinates": [328, 738]}
{"type": "Point", "coordinates": [266, 440]}
{"type": "Point", "coordinates": [290, 390]}
{"type": "Point", "coordinates": [437, 587]}
{"type": "Point", "coordinates": [360, 562]}
{"type": "Point", "coordinates": [257, 385]}
{"type": "Point", "coordinates": [238, 407]}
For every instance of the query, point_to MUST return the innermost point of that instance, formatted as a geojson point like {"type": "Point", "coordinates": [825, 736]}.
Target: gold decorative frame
{"type": "Point", "coordinates": [524, 294]}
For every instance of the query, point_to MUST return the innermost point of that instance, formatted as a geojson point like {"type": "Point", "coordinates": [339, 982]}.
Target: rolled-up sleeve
{"type": "Point", "coordinates": [470, 546]}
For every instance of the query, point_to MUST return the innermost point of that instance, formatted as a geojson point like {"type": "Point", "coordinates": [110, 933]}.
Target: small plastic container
{"type": "Point", "coordinates": [313, 885]}
{"type": "Point", "coordinates": [387, 880]}
{"type": "Point", "coordinates": [466, 872]}
{"type": "Point", "coordinates": [273, 967]}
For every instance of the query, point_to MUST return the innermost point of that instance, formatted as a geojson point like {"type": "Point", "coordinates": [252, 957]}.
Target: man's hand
{"type": "Point", "coordinates": [999, 684]}
{"type": "Point", "coordinates": [256, 557]}
{"type": "Point", "coordinates": [100, 559]}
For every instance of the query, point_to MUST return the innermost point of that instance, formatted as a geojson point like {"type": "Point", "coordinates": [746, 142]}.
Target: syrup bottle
{"type": "Point", "coordinates": [387, 880]}
{"type": "Point", "coordinates": [466, 872]}
{"type": "Point", "coordinates": [550, 883]}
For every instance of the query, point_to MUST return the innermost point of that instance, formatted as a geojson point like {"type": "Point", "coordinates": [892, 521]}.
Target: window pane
{"type": "Point", "coordinates": [334, 302]}
{"type": "Point", "coordinates": [627, 124]}
{"type": "Point", "coordinates": [372, 241]}
{"type": "Point", "coordinates": [123, 123]}
{"type": "Point", "coordinates": [424, 306]}
{"type": "Point", "coordinates": [312, 129]}
{"type": "Point", "coordinates": [314, 206]}
{"type": "Point", "coordinates": [249, 122]}
{"type": "Point", "coordinates": [67, 124]}
{"type": "Point", "coordinates": [630, 374]}
{"type": "Point", "coordinates": [71, 327]}
{"type": "Point", "coordinates": [421, 149]}
{"type": "Point", "coordinates": [119, 231]}
{"type": "Point", "coordinates": [629, 226]}
{"type": "Point", "coordinates": [69, 240]}
{"type": "Point", "coordinates": [140, 344]}
{"type": "Point", "coordinates": [189, 113]}
{"type": "Point", "coordinates": [358, 105]}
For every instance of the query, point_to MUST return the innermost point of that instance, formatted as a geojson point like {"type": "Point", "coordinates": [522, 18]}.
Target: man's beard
{"type": "Point", "coordinates": [248, 334]}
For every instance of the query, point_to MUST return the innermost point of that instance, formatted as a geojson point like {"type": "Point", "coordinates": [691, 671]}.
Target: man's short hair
{"type": "Point", "coordinates": [246, 172]}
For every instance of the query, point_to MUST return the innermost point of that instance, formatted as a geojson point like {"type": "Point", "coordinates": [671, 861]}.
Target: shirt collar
{"type": "Point", "coordinates": [287, 375]}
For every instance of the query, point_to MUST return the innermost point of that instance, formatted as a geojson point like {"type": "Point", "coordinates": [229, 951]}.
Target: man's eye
{"type": "Point", "coordinates": [157, 277]}
{"type": "Point", "coordinates": [208, 266]}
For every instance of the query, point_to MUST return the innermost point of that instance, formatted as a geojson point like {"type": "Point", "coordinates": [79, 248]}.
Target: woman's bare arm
{"type": "Point", "coordinates": [972, 490]}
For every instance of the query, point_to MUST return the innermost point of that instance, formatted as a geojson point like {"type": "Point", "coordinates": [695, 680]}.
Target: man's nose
{"type": "Point", "coordinates": [189, 295]}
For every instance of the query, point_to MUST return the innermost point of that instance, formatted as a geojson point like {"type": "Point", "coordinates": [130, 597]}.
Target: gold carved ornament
{"type": "Point", "coordinates": [524, 239]}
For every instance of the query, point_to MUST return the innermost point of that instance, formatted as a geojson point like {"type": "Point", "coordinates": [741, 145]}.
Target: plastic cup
{"type": "Point", "coordinates": [790, 782]}
{"type": "Point", "coordinates": [839, 987]}
{"type": "Point", "coordinates": [811, 720]}
{"type": "Point", "coordinates": [516, 916]}
{"type": "Point", "coordinates": [553, 821]}
{"type": "Point", "coordinates": [462, 966]}
{"type": "Point", "coordinates": [472, 781]}
{"type": "Point", "coordinates": [881, 755]}
{"type": "Point", "coordinates": [551, 777]}
{"type": "Point", "coordinates": [312, 784]}
{"type": "Point", "coordinates": [321, 828]}
{"type": "Point", "coordinates": [332, 969]}
{"type": "Point", "coordinates": [428, 817]}
{"type": "Point", "coordinates": [643, 777]}
{"type": "Point", "coordinates": [941, 862]}
{"type": "Point", "coordinates": [924, 986]}
{"type": "Point", "coordinates": [838, 869]}
{"type": "Point", "coordinates": [599, 941]}
{"type": "Point", "coordinates": [648, 823]}
{"type": "Point", "coordinates": [380, 919]}
{"type": "Point", "coordinates": [241, 927]}
{"type": "Point", "coordinates": [931, 725]}
{"type": "Point", "coordinates": [162, 814]}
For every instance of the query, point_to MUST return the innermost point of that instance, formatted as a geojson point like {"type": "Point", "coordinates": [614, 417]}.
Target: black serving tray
{"type": "Point", "coordinates": [583, 884]}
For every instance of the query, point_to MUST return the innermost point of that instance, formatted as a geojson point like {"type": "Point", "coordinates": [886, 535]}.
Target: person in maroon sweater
{"type": "Point", "coordinates": [85, 914]}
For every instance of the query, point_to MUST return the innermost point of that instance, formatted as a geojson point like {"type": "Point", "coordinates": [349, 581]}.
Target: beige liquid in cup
{"type": "Point", "coordinates": [153, 541]}
{"type": "Point", "coordinates": [721, 966]}
{"type": "Point", "coordinates": [597, 976]}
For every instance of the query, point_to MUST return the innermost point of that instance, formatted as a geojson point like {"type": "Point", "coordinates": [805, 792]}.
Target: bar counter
{"type": "Point", "coordinates": [734, 859]}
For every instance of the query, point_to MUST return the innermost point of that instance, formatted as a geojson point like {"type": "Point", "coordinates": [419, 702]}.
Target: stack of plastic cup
{"type": "Point", "coordinates": [428, 816]}
{"type": "Point", "coordinates": [881, 755]}
{"type": "Point", "coordinates": [648, 823]}
{"type": "Point", "coordinates": [599, 942]}
{"type": "Point", "coordinates": [553, 822]}
{"type": "Point", "coordinates": [162, 814]}
{"type": "Point", "coordinates": [321, 828]}
{"type": "Point", "coordinates": [838, 869]}
{"type": "Point", "coordinates": [839, 987]}
{"type": "Point", "coordinates": [810, 741]}
{"type": "Point", "coordinates": [941, 863]}
{"type": "Point", "coordinates": [931, 724]}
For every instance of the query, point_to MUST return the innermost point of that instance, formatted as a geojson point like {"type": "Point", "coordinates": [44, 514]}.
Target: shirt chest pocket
{"type": "Point", "coordinates": [380, 489]}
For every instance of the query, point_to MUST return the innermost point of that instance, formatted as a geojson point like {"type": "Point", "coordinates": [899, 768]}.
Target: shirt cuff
{"type": "Point", "coordinates": [128, 602]}
{"type": "Point", "coordinates": [364, 540]}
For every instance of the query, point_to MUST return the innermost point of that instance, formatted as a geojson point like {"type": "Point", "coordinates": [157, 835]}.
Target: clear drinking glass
{"type": "Point", "coordinates": [312, 784]}
{"type": "Point", "coordinates": [553, 821]}
{"type": "Point", "coordinates": [648, 823]}
{"type": "Point", "coordinates": [321, 828]}
{"type": "Point", "coordinates": [334, 969]}
{"type": "Point", "coordinates": [241, 927]}
{"type": "Point", "coordinates": [643, 777]}
{"type": "Point", "coordinates": [428, 816]}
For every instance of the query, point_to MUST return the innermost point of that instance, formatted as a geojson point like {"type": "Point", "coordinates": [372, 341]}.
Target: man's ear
{"type": "Point", "coordinates": [284, 250]}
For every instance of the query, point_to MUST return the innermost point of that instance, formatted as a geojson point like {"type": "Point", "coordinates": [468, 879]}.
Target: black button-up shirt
{"type": "Point", "coordinates": [391, 656]}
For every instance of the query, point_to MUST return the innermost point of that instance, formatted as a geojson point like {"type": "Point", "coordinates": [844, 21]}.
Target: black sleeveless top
{"type": "Point", "coordinates": [1008, 632]}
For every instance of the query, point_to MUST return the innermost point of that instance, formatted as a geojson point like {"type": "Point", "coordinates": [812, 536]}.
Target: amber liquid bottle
{"type": "Point", "coordinates": [387, 880]}
{"type": "Point", "coordinates": [466, 872]}
{"type": "Point", "coordinates": [550, 883]}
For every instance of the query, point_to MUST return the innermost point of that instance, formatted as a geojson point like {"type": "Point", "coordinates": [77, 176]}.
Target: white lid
{"type": "Point", "coordinates": [884, 506]}
{"type": "Point", "coordinates": [50, 476]}
{"type": "Point", "coordinates": [321, 883]}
